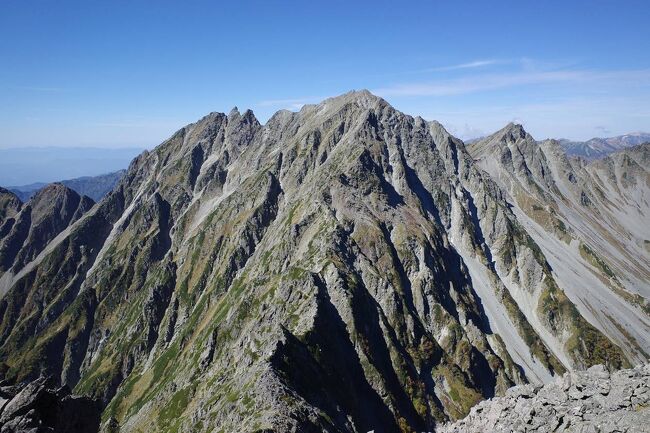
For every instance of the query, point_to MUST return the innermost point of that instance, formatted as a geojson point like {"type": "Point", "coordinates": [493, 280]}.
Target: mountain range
{"type": "Point", "coordinates": [95, 187]}
{"type": "Point", "coordinates": [28, 165]}
{"type": "Point", "coordinates": [344, 268]}
{"type": "Point", "coordinates": [599, 147]}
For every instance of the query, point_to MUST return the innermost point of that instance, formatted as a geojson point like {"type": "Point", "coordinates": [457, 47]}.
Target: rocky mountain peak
{"type": "Point", "coordinates": [53, 191]}
{"type": "Point", "coordinates": [347, 267]}
{"type": "Point", "coordinates": [5, 191]}
{"type": "Point", "coordinates": [50, 211]}
{"type": "Point", "coordinates": [512, 137]}
{"type": "Point", "coordinates": [58, 198]}
{"type": "Point", "coordinates": [234, 112]}
{"type": "Point", "coordinates": [512, 133]}
{"type": "Point", "coordinates": [234, 116]}
{"type": "Point", "coordinates": [438, 127]}
{"type": "Point", "coordinates": [362, 99]}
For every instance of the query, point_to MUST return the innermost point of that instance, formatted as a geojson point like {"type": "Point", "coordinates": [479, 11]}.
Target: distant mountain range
{"type": "Point", "coordinates": [23, 166]}
{"type": "Point", "coordinates": [94, 187]}
{"type": "Point", "coordinates": [599, 147]}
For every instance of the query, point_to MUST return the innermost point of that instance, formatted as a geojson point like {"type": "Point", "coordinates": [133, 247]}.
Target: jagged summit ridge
{"type": "Point", "coordinates": [342, 268]}
{"type": "Point", "coordinates": [513, 131]}
{"type": "Point", "coordinates": [363, 98]}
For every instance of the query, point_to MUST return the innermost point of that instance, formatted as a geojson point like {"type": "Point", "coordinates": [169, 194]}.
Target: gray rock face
{"type": "Point", "coordinates": [38, 408]}
{"type": "Point", "coordinates": [589, 401]}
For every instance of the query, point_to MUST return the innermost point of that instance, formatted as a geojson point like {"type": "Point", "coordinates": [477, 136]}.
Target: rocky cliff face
{"type": "Point", "coordinates": [343, 268]}
{"type": "Point", "coordinates": [594, 400]}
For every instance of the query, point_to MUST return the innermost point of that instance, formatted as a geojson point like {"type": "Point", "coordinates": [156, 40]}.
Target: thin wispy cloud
{"type": "Point", "coordinates": [486, 82]}
{"type": "Point", "coordinates": [469, 65]}
{"type": "Point", "coordinates": [292, 103]}
{"type": "Point", "coordinates": [547, 96]}
{"type": "Point", "coordinates": [575, 117]}
{"type": "Point", "coordinates": [297, 103]}
{"type": "Point", "coordinates": [477, 83]}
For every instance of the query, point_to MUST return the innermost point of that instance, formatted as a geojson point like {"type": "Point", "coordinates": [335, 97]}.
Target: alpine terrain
{"type": "Point", "coordinates": [344, 268]}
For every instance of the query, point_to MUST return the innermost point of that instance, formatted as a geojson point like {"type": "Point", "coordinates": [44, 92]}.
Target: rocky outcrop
{"type": "Point", "coordinates": [10, 205]}
{"type": "Point", "coordinates": [590, 401]}
{"type": "Point", "coordinates": [38, 407]}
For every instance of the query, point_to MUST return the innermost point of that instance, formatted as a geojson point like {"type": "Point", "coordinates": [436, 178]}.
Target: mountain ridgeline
{"type": "Point", "coordinates": [345, 268]}
{"type": "Point", "coordinates": [596, 148]}
{"type": "Point", "coordinates": [95, 187]}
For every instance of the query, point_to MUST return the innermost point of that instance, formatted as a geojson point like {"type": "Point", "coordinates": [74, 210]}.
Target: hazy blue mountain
{"type": "Point", "coordinates": [94, 187]}
{"type": "Point", "coordinates": [25, 192]}
{"type": "Point", "coordinates": [24, 166]}
{"type": "Point", "coordinates": [599, 147]}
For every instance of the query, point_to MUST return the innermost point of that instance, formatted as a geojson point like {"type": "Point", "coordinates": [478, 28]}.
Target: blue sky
{"type": "Point", "coordinates": [129, 73]}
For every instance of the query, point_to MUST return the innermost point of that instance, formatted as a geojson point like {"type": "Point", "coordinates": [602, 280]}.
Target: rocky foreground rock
{"type": "Point", "coordinates": [591, 401]}
{"type": "Point", "coordinates": [38, 408]}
